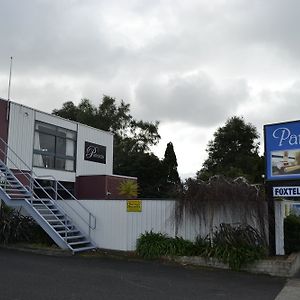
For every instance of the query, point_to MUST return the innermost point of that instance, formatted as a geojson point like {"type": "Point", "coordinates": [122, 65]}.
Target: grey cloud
{"type": "Point", "coordinates": [52, 37]}
{"type": "Point", "coordinates": [194, 99]}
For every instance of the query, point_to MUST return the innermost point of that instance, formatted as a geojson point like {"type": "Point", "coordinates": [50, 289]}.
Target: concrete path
{"type": "Point", "coordinates": [30, 276]}
{"type": "Point", "coordinates": [291, 290]}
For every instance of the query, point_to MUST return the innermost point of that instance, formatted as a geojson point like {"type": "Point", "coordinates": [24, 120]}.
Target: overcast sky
{"type": "Point", "coordinates": [189, 64]}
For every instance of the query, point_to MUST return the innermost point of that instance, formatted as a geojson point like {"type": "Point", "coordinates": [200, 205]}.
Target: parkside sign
{"type": "Point", "coordinates": [94, 152]}
{"type": "Point", "coordinates": [286, 191]}
{"type": "Point", "coordinates": [282, 151]}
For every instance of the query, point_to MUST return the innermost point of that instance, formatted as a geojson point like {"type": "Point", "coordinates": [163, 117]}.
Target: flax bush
{"type": "Point", "coordinates": [16, 228]}
{"type": "Point", "coordinates": [237, 246]}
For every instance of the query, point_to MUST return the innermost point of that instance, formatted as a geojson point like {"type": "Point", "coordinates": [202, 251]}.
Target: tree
{"type": "Point", "coordinates": [138, 135]}
{"type": "Point", "coordinates": [171, 179]}
{"type": "Point", "coordinates": [132, 139]}
{"type": "Point", "coordinates": [234, 152]}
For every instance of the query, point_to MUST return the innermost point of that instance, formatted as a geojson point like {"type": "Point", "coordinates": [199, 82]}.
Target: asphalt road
{"type": "Point", "coordinates": [27, 276]}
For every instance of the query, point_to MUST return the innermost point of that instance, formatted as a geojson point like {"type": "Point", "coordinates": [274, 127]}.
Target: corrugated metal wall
{"type": "Point", "coordinates": [118, 229]}
{"type": "Point", "coordinates": [111, 221]}
{"type": "Point", "coordinates": [156, 215]}
{"type": "Point", "coordinates": [20, 135]}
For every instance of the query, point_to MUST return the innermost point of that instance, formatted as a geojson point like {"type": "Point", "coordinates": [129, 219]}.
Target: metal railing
{"type": "Point", "coordinates": [34, 185]}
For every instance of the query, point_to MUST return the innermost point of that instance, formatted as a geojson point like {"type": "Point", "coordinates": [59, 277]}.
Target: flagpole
{"type": "Point", "coordinates": [9, 86]}
{"type": "Point", "coordinates": [9, 81]}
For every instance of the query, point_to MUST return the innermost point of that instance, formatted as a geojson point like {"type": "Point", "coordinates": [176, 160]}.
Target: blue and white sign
{"type": "Point", "coordinates": [282, 150]}
{"type": "Point", "coordinates": [286, 191]}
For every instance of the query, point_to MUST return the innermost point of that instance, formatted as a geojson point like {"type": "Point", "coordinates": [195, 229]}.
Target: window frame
{"type": "Point", "coordinates": [55, 154]}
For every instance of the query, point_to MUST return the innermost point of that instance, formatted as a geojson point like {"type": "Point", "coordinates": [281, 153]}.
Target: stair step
{"type": "Point", "coordinates": [53, 215]}
{"type": "Point", "coordinates": [19, 194]}
{"type": "Point", "coordinates": [16, 190]}
{"type": "Point", "coordinates": [74, 237]}
{"type": "Point", "coordinates": [48, 210]}
{"type": "Point", "coordinates": [43, 204]}
{"type": "Point", "coordinates": [70, 226]}
{"type": "Point", "coordinates": [68, 231]}
{"type": "Point", "coordinates": [60, 221]}
{"type": "Point", "coordinates": [84, 249]}
{"type": "Point", "coordinates": [14, 185]}
{"type": "Point", "coordinates": [79, 243]}
{"type": "Point", "coordinates": [20, 197]}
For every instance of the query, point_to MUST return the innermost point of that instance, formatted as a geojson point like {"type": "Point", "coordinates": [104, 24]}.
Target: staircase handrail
{"type": "Point", "coordinates": [55, 180]}
{"type": "Point", "coordinates": [34, 181]}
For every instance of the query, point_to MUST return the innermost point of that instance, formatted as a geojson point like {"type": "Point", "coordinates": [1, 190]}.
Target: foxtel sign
{"type": "Point", "coordinates": [286, 191]}
{"type": "Point", "coordinates": [282, 151]}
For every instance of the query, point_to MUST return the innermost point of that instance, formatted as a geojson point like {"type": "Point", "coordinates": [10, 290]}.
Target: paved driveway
{"type": "Point", "coordinates": [30, 276]}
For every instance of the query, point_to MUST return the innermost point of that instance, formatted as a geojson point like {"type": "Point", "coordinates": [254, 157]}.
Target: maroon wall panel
{"type": "Point", "coordinates": [3, 125]}
{"type": "Point", "coordinates": [113, 186]}
{"type": "Point", "coordinates": [98, 187]}
{"type": "Point", "coordinates": [90, 187]}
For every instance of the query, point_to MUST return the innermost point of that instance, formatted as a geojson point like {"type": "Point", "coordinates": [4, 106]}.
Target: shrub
{"type": "Point", "coordinates": [152, 245]}
{"type": "Point", "coordinates": [235, 245]}
{"type": "Point", "coordinates": [238, 245]}
{"type": "Point", "coordinates": [128, 189]}
{"type": "Point", "coordinates": [292, 234]}
{"type": "Point", "coordinates": [15, 228]}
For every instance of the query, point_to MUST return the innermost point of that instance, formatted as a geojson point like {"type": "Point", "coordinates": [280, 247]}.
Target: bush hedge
{"type": "Point", "coordinates": [16, 228]}
{"type": "Point", "coordinates": [235, 245]}
{"type": "Point", "coordinates": [292, 234]}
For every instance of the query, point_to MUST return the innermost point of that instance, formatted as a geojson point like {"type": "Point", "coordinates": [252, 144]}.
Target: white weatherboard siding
{"type": "Point", "coordinates": [20, 136]}
{"type": "Point", "coordinates": [88, 134]}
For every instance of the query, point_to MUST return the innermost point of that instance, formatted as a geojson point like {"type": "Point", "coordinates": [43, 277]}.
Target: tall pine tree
{"type": "Point", "coordinates": [171, 179]}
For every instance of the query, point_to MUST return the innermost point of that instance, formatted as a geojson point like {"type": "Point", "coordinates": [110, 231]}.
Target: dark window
{"type": "Point", "coordinates": [54, 147]}
{"type": "Point", "coordinates": [46, 189]}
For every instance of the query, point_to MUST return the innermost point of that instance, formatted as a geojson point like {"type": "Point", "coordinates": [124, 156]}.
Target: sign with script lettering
{"type": "Point", "coordinates": [282, 150]}
{"type": "Point", "coordinates": [95, 152]}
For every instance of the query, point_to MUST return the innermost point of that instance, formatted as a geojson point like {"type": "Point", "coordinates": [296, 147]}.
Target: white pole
{"type": "Point", "coordinates": [8, 92]}
{"type": "Point", "coordinates": [9, 80]}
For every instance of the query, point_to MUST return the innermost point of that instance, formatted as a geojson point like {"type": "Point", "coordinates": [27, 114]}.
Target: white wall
{"type": "Point", "coordinates": [89, 134]}
{"type": "Point", "coordinates": [118, 229]}
{"type": "Point", "coordinates": [111, 218]}
{"type": "Point", "coordinates": [20, 135]}
{"type": "Point", "coordinates": [279, 226]}
{"type": "Point", "coordinates": [156, 215]}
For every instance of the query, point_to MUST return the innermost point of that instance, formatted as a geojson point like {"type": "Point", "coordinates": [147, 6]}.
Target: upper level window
{"type": "Point", "coordinates": [54, 147]}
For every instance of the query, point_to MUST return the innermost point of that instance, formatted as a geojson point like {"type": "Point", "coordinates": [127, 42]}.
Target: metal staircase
{"type": "Point", "coordinates": [22, 188]}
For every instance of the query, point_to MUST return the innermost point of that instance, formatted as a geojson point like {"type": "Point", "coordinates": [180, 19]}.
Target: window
{"type": "Point", "coordinates": [46, 188]}
{"type": "Point", "coordinates": [54, 147]}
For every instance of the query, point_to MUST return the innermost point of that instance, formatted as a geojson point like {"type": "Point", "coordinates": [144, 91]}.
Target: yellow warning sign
{"type": "Point", "coordinates": [134, 205]}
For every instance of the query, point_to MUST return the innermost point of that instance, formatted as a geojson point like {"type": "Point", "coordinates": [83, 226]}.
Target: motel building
{"type": "Point", "coordinates": [46, 161]}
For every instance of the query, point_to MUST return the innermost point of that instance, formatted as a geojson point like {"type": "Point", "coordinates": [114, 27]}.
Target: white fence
{"type": "Point", "coordinates": [118, 229]}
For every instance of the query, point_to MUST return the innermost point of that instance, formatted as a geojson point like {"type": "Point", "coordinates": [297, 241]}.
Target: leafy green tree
{"type": "Point", "coordinates": [234, 152]}
{"type": "Point", "coordinates": [132, 139]}
{"type": "Point", "coordinates": [138, 135]}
